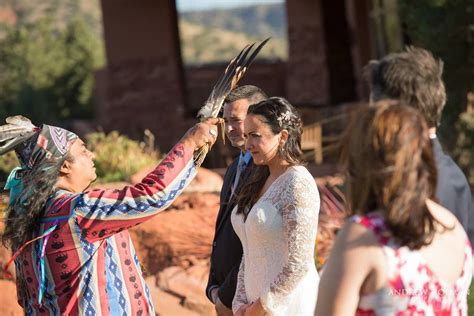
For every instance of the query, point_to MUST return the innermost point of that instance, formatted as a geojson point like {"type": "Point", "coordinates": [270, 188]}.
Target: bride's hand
{"type": "Point", "coordinates": [255, 309]}
{"type": "Point", "coordinates": [241, 310]}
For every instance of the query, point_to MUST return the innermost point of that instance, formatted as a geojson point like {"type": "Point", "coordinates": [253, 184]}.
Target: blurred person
{"type": "Point", "coordinates": [276, 217]}
{"type": "Point", "coordinates": [414, 77]}
{"type": "Point", "coordinates": [227, 250]}
{"type": "Point", "coordinates": [73, 252]}
{"type": "Point", "coordinates": [399, 252]}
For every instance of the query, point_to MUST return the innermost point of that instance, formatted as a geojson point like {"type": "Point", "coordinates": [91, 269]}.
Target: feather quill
{"type": "Point", "coordinates": [229, 79]}
{"type": "Point", "coordinates": [226, 83]}
{"type": "Point", "coordinates": [17, 130]}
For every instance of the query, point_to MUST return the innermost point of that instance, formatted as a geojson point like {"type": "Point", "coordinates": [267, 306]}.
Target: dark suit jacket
{"type": "Point", "coordinates": [453, 191]}
{"type": "Point", "coordinates": [226, 248]}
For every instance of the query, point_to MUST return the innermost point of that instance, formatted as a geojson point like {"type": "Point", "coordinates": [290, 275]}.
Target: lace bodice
{"type": "Point", "coordinates": [278, 239]}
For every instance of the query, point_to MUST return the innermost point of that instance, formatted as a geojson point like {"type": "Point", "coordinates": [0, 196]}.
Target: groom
{"type": "Point", "coordinates": [415, 77]}
{"type": "Point", "coordinates": [226, 248]}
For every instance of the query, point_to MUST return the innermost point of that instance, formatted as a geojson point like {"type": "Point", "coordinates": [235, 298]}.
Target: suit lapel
{"type": "Point", "coordinates": [226, 192]}
{"type": "Point", "coordinates": [226, 209]}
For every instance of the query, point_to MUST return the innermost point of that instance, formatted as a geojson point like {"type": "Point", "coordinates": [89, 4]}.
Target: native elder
{"type": "Point", "coordinates": [73, 253]}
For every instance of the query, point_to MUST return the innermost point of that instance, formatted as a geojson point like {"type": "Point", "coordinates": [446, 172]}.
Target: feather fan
{"type": "Point", "coordinates": [226, 83]}
{"type": "Point", "coordinates": [17, 130]}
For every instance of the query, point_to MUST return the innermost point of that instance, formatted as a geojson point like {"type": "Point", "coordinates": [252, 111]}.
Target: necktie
{"type": "Point", "coordinates": [240, 168]}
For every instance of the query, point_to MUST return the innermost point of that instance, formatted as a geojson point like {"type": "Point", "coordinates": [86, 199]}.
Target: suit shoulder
{"type": "Point", "coordinates": [449, 173]}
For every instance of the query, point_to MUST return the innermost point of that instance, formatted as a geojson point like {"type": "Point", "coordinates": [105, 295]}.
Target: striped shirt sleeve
{"type": "Point", "coordinates": [106, 212]}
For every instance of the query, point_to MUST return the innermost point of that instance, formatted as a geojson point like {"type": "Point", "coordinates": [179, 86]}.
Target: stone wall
{"type": "Point", "coordinates": [308, 74]}
{"type": "Point", "coordinates": [269, 76]}
{"type": "Point", "coordinates": [145, 85]}
{"type": "Point", "coordinates": [139, 95]}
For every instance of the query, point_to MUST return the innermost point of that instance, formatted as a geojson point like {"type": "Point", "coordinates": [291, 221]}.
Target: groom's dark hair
{"type": "Point", "coordinates": [413, 77]}
{"type": "Point", "coordinates": [252, 93]}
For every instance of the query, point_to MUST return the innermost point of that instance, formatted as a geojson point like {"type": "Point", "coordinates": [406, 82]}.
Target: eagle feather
{"type": "Point", "coordinates": [17, 130]}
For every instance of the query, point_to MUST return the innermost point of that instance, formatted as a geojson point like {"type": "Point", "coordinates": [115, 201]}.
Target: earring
{"type": "Point", "coordinates": [281, 151]}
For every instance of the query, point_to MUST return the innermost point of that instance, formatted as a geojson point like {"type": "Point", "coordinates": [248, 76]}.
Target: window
{"type": "Point", "coordinates": [215, 31]}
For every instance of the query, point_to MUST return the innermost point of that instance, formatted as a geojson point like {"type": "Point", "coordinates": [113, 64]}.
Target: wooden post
{"type": "Point", "coordinates": [142, 86]}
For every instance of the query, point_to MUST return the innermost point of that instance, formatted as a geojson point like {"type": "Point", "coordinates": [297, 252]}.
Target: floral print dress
{"type": "Point", "coordinates": [412, 287]}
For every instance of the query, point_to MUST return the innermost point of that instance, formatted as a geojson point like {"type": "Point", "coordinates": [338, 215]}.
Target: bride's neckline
{"type": "Point", "coordinates": [274, 182]}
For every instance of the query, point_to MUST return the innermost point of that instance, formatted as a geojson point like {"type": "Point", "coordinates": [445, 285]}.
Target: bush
{"type": "Point", "coordinates": [117, 157]}
{"type": "Point", "coordinates": [7, 163]}
{"type": "Point", "coordinates": [46, 73]}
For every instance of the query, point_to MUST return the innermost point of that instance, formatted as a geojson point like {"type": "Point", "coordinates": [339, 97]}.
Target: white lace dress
{"type": "Point", "coordinates": [278, 239]}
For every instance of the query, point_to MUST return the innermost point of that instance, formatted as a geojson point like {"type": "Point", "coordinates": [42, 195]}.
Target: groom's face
{"type": "Point", "coordinates": [234, 116]}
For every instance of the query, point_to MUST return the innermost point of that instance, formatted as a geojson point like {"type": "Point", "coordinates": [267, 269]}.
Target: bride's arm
{"type": "Point", "coordinates": [240, 298]}
{"type": "Point", "coordinates": [299, 199]}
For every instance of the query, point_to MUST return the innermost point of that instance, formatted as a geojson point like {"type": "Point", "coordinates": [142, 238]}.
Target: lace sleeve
{"type": "Point", "coordinates": [299, 203]}
{"type": "Point", "coordinates": [240, 297]}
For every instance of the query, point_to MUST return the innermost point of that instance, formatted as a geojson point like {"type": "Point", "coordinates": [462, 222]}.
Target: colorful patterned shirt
{"type": "Point", "coordinates": [90, 265]}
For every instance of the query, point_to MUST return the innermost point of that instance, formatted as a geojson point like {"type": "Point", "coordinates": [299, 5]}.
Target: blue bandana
{"type": "Point", "coordinates": [14, 184]}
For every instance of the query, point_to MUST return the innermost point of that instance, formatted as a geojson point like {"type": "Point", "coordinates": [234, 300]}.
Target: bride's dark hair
{"type": "Point", "coordinates": [279, 115]}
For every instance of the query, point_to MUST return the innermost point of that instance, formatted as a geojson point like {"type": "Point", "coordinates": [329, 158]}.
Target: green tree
{"type": "Point", "coordinates": [46, 73]}
{"type": "Point", "coordinates": [445, 27]}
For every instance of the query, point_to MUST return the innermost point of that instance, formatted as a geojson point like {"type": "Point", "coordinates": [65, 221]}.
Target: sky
{"type": "Point", "coordinates": [194, 5]}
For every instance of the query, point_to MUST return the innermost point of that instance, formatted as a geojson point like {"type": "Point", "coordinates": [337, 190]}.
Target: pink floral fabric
{"type": "Point", "coordinates": [412, 288]}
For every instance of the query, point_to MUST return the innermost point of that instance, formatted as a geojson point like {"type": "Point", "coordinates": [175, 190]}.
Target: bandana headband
{"type": "Point", "coordinates": [51, 143]}
{"type": "Point", "coordinates": [33, 146]}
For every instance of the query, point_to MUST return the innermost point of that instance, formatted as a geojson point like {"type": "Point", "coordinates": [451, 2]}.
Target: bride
{"type": "Point", "coordinates": [276, 217]}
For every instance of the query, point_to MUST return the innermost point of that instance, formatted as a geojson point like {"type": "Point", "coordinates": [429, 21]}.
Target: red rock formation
{"type": "Point", "coordinates": [8, 299]}
{"type": "Point", "coordinates": [8, 16]}
{"type": "Point", "coordinates": [175, 247]}
{"type": "Point", "coordinates": [180, 235]}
